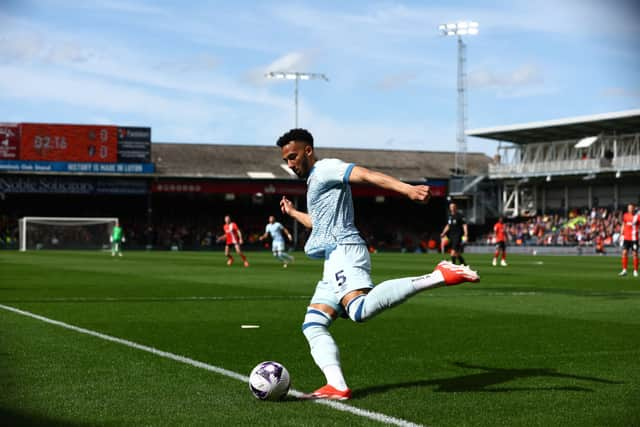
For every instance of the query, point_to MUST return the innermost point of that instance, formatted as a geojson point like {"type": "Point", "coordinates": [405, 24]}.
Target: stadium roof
{"type": "Point", "coordinates": [264, 162]}
{"type": "Point", "coordinates": [622, 122]}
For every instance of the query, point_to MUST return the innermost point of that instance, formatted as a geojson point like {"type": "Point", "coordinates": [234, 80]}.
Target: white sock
{"type": "Point", "coordinates": [431, 280]}
{"type": "Point", "coordinates": [390, 293]}
{"type": "Point", "coordinates": [335, 377]}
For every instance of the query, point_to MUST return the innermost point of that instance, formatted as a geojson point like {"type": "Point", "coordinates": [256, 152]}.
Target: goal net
{"type": "Point", "coordinates": [65, 233]}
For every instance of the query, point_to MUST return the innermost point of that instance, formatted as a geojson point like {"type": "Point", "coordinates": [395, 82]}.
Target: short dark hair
{"type": "Point", "coordinates": [299, 135]}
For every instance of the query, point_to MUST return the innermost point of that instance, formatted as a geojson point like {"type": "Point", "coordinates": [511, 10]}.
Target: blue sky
{"type": "Point", "coordinates": [194, 71]}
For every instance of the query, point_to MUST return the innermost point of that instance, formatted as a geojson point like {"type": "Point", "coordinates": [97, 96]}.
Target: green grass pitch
{"type": "Point", "coordinates": [545, 341]}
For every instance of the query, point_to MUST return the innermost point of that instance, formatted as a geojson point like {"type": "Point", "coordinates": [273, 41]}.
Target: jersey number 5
{"type": "Point", "coordinates": [341, 278]}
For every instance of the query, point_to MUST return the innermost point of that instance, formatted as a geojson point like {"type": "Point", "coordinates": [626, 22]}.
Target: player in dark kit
{"type": "Point", "coordinates": [457, 232]}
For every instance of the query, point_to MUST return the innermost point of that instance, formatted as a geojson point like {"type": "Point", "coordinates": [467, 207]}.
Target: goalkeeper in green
{"type": "Point", "coordinates": [116, 239]}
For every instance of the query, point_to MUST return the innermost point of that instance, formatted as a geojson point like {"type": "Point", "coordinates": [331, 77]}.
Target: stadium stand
{"type": "Point", "coordinates": [564, 182]}
{"type": "Point", "coordinates": [181, 204]}
{"type": "Point", "coordinates": [579, 162]}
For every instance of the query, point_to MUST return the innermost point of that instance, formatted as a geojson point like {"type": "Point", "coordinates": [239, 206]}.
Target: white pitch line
{"type": "Point", "coordinates": [163, 299]}
{"type": "Point", "coordinates": [376, 416]}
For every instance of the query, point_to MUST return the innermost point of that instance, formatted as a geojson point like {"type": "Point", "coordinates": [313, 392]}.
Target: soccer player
{"type": "Point", "coordinates": [276, 230]}
{"type": "Point", "coordinates": [457, 232]}
{"type": "Point", "coordinates": [630, 224]}
{"type": "Point", "coordinates": [346, 288]}
{"type": "Point", "coordinates": [500, 237]}
{"type": "Point", "coordinates": [233, 237]}
{"type": "Point", "coordinates": [116, 239]}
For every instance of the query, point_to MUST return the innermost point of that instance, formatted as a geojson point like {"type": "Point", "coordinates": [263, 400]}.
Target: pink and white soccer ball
{"type": "Point", "coordinates": [269, 381]}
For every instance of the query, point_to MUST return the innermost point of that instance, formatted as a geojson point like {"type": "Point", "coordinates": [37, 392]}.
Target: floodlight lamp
{"type": "Point", "coordinates": [462, 32]}
{"type": "Point", "coordinates": [275, 75]}
{"type": "Point", "coordinates": [548, 179]}
{"type": "Point", "coordinates": [473, 31]}
{"type": "Point", "coordinates": [473, 24]}
{"type": "Point", "coordinates": [462, 24]}
{"type": "Point", "coordinates": [304, 77]}
{"type": "Point", "coordinates": [618, 174]}
{"type": "Point", "coordinates": [290, 76]}
{"type": "Point", "coordinates": [451, 26]}
{"type": "Point", "coordinates": [451, 33]}
{"type": "Point", "coordinates": [442, 28]}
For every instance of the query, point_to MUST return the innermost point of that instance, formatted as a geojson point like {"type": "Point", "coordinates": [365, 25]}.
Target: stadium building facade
{"type": "Point", "coordinates": [174, 195]}
{"type": "Point", "coordinates": [558, 165]}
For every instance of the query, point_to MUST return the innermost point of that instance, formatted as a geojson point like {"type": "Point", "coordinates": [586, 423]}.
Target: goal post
{"type": "Point", "coordinates": [41, 232]}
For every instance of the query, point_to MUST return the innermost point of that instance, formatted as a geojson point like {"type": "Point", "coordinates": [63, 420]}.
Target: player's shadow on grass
{"type": "Point", "coordinates": [487, 381]}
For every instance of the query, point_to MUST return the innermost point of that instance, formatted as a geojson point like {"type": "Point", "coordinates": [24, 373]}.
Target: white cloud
{"type": "Point", "coordinates": [35, 47]}
{"type": "Point", "coordinates": [34, 50]}
{"type": "Point", "coordinates": [294, 61]}
{"type": "Point", "coordinates": [94, 94]}
{"type": "Point", "coordinates": [525, 75]}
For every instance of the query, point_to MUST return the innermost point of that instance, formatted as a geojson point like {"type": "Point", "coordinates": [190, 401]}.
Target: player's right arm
{"type": "Point", "coordinates": [420, 193]}
{"type": "Point", "coordinates": [444, 231]}
{"type": "Point", "coordinates": [302, 217]}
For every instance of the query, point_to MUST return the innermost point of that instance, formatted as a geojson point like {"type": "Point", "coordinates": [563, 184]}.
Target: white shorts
{"type": "Point", "coordinates": [347, 268]}
{"type": "Point", "coordinates": [277, 246]}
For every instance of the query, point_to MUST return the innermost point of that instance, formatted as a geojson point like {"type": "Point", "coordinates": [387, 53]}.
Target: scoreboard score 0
{"type": "Point", "coordinates": [69, 143]}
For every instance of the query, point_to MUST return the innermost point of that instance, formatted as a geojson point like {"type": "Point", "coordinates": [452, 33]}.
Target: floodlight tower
{"type": "Point", "coordinates": [297, 76]}
{"type": "Point", "coordinates": [460, 29]}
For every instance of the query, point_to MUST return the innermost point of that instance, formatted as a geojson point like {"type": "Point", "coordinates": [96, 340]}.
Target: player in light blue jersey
{"type": "Point", "coordinates": [277, 232]}
{"type": "Point", "coordinates": [346, 288]}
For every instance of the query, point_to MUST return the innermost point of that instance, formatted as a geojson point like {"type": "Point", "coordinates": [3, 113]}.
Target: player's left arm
{"type": "Point", "coordinates": [288, 208]}
{"type": "Point", "coordinates": [360, 175]}
{"type": "Point", "coordinates": [465, 230]}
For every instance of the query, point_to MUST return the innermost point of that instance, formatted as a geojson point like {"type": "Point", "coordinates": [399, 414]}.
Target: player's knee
{"type": "Point", "coordinates": [355, 309]}
{"type": "Point", "coordinates": [316, 323]}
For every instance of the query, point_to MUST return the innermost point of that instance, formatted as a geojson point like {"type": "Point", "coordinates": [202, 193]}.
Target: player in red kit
{"type": "Point", "coordinates": [500, 238]}
{"type": "Point", "coordinates": [233, 237]}
{"type": "Point", "coordinates": [630, 224]}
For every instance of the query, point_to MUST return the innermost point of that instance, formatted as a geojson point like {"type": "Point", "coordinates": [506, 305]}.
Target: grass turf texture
{"type": "Point", "coordinates": [546, 341]}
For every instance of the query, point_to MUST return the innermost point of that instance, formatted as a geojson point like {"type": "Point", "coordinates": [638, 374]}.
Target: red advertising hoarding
{"type": "Point", "coordinates": [68, 143]}
{"type": "Point", "coordinates": [9, 142]}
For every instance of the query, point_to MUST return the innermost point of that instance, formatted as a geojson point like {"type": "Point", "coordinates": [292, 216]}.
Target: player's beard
{"type": "Point", "coordinates": [303, 170]}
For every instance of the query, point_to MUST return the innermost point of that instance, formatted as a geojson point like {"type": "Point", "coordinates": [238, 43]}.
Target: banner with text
{"type": "Point", "coordinates": [72, 185]}
{"type": "Point", "coordinates": [101, 168]}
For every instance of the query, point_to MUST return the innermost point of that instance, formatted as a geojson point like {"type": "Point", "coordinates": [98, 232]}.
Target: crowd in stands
{"type": "Point", "coordinates": [598, 227]}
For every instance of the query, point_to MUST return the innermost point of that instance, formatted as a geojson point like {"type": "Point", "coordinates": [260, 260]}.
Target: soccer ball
{"type": "Point", "coordinates": [269, 381]}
